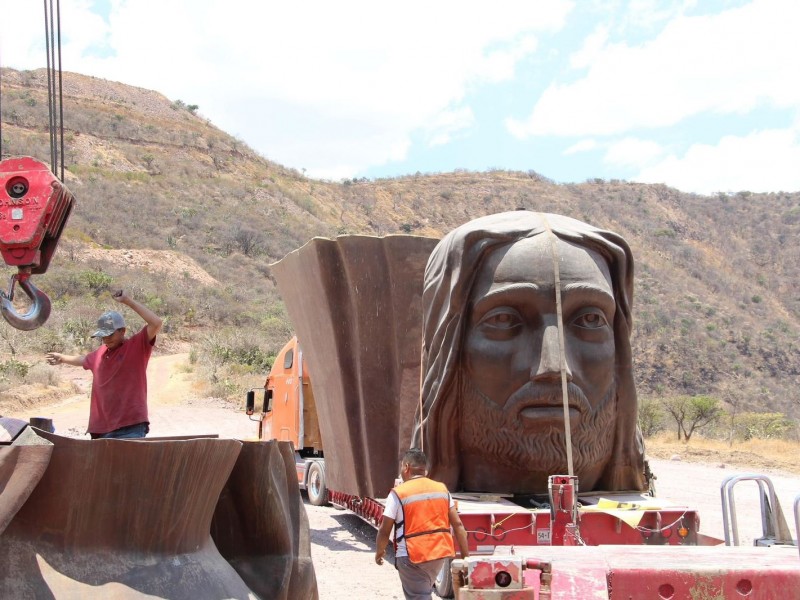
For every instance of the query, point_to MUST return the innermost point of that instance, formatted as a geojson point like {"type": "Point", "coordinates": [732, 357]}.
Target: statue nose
{"type": "Point", "coordinates": [549, 367]}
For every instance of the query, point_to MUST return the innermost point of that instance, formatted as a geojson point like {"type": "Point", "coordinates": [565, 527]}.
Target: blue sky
{"type": "Point", "coordinates": [701, 95]}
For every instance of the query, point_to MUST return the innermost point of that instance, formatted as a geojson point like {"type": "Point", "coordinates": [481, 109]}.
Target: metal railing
{"type": "Point", "coordinates": [769, 509]}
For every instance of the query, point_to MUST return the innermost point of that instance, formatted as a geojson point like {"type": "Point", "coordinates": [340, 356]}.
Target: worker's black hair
{"type": "Point", "coordinates": [415, 458]}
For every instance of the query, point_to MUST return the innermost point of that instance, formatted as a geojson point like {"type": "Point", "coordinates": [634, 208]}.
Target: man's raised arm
{"type": "Point", "coordinates": [154, 322]}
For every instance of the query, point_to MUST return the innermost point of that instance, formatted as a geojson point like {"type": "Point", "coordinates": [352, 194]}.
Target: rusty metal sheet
{"type": "Point", "coordinates": [126, 519]}
{"type": "Point", "coordinates": [260, 525]}
{"type": "Point", "coordinates": [355, 303]}
{"type": "Point", "coordinates": [22, 464]}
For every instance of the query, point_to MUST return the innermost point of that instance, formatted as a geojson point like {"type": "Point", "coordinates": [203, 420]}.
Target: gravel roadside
{"type": "Point", "coordinates": [343, 545]}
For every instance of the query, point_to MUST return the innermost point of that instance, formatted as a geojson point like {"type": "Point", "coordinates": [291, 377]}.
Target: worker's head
{"type": "Point", "coordinates": [493, 418]}
{"type": "Point", "coordinates": [111, 329]}
{"type": "Point", "coordinates": [413, 462]}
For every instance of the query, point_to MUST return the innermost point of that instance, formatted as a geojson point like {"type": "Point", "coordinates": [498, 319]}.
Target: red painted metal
{"type": "Point", "coordinates": [643, 572]}
{"type": "Point", "coordinates": [564, 529]}
{"type": "Point", "coordinates": [522, 594]}
{"type": "Point", "coordinates": [34, 207]}
{"type": "Point", "coordinates": [369, 509]}
{"type": "Point", "coordinates": [489, 573]}
{"type": "Point", "coordinates": [532, 528]}
{"type": "Point", "coordinates": [670, 573]}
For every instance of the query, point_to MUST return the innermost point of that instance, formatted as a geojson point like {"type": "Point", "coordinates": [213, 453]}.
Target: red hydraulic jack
{"type": "Point", "coordinates": [503, 576]}
{"type": "Point", "coordinates": [564, 526]}
{"type": "Point", "coordinates": [34, 207]}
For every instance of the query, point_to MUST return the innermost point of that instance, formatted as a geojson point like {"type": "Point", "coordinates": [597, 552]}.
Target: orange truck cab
{"type": "Point", "coordinates": [289, 413]}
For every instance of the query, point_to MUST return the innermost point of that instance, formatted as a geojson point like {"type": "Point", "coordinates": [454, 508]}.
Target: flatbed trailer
{"type": "Point", "coordinates": [611, 572]}
{"type": "Point", "coordinates": [495, 521]}
{"type": "Point", "coordinates": [625, 546]}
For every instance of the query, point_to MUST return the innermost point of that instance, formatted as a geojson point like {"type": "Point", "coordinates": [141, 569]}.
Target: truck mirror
{"type": "Point", "coordinates": [250, 403]}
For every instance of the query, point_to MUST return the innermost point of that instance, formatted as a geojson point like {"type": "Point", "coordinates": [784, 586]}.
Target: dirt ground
{"type": "Point", "coordinates": [342, 544]}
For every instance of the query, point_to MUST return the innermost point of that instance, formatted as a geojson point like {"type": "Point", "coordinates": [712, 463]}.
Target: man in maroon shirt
{"type": "Point", "coordinates": [119, 384]}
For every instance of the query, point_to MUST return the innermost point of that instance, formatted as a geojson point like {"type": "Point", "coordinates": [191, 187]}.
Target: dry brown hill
{"type": "Point", "coordinates": [717, 307]}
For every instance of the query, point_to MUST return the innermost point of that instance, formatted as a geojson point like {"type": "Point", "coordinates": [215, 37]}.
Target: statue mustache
{"type": "Point", "coordinates": [547, 395]}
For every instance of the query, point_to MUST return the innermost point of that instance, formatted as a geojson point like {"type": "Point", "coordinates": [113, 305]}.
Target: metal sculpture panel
{"type": "Point", "coordinates": [355, 305]}
{"type": "Point", "coordinates": [260, 525]}
{"type": "Point", "coordinates": [131, 519]}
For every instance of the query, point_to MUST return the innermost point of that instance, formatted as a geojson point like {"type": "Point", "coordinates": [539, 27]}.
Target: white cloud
{"type": "Point", "coordinates": [726, 63]}
{"type": "Point", "coordinates": [648, 14]}
{"type": "Point", "coordinates": [591, 49]}
{"type": "Point", "coordinates": [449, 123]}
{"type": "Point", "coordinates": [22, 39]}
{"type": "Point", "coordinates": [582, 146]}
{"type": "Point", "coordinates": [632, 152]}
{"type": "Point", "coordinates": [761, 162]}
{"type": "Point", "coordinates": [392, 67]}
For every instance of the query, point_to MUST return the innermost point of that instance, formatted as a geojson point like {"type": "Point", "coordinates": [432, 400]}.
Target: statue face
{"type": "Point", "coordinates": [512, 339]}
{"type": "Point", "coordinates": [511, 386]}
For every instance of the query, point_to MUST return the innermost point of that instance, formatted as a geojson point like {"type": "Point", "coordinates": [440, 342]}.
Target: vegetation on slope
{"type": "Point", "coordinates": [717, 298]}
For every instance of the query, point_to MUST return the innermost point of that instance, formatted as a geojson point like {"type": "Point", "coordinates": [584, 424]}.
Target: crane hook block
{"type": "Point", "coordinates": [34, 207]}
{"type": "Point", "coordinates": [38, 312]}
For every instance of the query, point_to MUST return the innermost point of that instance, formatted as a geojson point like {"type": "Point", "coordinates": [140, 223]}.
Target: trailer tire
{"type": "Point", "coordinates": [317, 491]}
{"type": "Point", "coordinates": [444, 581]}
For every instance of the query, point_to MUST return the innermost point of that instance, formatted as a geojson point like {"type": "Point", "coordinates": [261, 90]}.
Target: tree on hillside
{"type": "Point", "coordinates": [692, 413]}
{"type": "Point", "coordinates": [248, 240]}
{"type": "Point", "coordinates": [651, 416]}
{"type": "Point", "coordinates": [733, 393]}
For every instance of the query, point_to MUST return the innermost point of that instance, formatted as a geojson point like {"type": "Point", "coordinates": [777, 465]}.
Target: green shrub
{"type": "Point", "coordinates": [763, 426]}
{"type": "Point", "coordinates": [651, 416]}
{"type": "Point", "coordinates": [14, 369]}
{"type": "Point", "coordinates": [96, 282]}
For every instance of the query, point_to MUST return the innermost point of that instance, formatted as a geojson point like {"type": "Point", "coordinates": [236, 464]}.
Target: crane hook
{"type": "Point", "coordinates": [40, 304]}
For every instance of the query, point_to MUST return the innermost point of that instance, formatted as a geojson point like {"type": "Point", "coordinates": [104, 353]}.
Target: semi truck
{"type": "Point", "coordinates": [289, 413]}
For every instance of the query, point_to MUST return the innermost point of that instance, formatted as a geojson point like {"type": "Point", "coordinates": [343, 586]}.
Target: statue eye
{"type": "Point", "coordinates": [593, 319]}
{"type": "Point", "coordinates": [501, 318]}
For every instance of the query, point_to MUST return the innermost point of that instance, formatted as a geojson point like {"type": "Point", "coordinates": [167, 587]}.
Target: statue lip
{"type": "Point", "coordinates": [547, 410]}
{"type": "Point", "coordinates": [544, 403]}
{"type": "Point", "coordinates": [533, 410]}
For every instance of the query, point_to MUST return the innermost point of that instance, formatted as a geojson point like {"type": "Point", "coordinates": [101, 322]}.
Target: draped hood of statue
{"type": "Point", "coordinates": [492, 401]}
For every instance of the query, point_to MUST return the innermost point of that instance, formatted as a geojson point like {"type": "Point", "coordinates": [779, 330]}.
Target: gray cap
{"type": "Point", "coordinates": [108, 323]}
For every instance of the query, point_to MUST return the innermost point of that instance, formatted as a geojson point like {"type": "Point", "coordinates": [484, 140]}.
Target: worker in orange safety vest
{"type": "Point", "coordinates": [422, 513]}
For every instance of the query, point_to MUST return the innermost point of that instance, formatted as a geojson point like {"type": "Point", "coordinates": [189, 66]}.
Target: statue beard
{"type": "Point", "coordinates": [498, 432]}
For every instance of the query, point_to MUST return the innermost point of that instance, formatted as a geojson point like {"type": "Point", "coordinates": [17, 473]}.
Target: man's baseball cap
{"type": "Point", "coordinates": [108, 323]}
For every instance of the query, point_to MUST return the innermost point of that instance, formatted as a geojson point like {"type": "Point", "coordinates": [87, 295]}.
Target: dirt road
{"type": "Point", "coordinates": [342, 545]}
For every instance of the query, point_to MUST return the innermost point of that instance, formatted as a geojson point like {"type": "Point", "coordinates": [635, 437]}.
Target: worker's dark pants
{"type": "Point", "coordinates": [418, 578]}
{"type": "Point", "coordinates": [128, 432]}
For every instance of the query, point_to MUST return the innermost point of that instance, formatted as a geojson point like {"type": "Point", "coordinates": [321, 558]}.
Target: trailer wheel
{"type": "Point", "coordinates": [317, 492]}
{"type": "Point", "coordinates": [444, 581]}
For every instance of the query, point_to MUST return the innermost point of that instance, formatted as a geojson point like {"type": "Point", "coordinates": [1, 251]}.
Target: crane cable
{"type": "Point", "coordinates": [55, 105]}
{"type": "Point", "coordinates": [561, 350]}
{"type": "Point", "coordinates": [55, 89]}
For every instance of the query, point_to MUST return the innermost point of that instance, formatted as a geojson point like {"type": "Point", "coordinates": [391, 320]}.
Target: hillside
{"type": "Point", "coordinates": [717, 296]}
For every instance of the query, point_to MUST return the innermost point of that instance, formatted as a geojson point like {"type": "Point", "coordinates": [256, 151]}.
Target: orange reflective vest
{"type": "Point", "coordinates": [424, 516]}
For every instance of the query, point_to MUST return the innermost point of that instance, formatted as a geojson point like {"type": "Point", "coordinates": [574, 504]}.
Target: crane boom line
{"type": "Point", "coordinates": [55, 104]}
{"type": "Point", "coordinates": [60, 91]}
{"type": "Point", "coordinates": [55, 107]}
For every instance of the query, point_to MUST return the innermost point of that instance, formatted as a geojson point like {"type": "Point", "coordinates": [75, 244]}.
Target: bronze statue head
{"type": "Point", "coordinates": [492, 414]}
